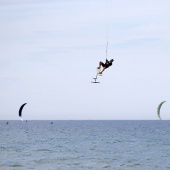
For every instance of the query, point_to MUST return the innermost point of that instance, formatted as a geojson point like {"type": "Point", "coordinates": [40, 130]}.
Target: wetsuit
{"type": "Point", "coordinates": [107, 64]}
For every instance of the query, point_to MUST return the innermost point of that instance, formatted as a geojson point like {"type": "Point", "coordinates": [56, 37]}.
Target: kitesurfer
{"type": "Point", "coordinates": [105, 65]}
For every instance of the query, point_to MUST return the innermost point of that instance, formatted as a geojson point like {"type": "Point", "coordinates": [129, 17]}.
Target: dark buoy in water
{"type": "Point", "coordinates": [26, 121]}
{"type": "Point", "coordinates": [7, 123]}
{"type": "Point", "coordinates": [51, 123]}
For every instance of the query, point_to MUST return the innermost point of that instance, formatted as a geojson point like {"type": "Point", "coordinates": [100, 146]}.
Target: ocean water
{"type": "Point", "coordinates": [81, 145]}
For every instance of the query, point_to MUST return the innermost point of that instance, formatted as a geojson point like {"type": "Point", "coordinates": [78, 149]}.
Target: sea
{"type": "Point", "coordinates": [85, 145]}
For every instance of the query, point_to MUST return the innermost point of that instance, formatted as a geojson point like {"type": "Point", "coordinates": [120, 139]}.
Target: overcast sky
{"type": "Point", "coordinates": [49, 51]}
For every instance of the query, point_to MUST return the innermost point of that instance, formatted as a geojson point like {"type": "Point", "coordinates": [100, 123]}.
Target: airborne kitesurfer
{"type": "Point", "coordinates": [105, 65]}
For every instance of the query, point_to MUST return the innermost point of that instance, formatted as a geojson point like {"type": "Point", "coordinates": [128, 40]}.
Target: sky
{"type": "Point", "coordinates": [50, 51]}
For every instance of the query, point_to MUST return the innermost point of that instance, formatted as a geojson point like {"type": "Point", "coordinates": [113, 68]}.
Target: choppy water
{"type": "Point", "coordinates": [79, 145]}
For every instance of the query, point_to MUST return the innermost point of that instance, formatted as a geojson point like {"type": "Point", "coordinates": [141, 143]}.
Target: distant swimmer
{"type": "Point", "coordinates": [105, 65]}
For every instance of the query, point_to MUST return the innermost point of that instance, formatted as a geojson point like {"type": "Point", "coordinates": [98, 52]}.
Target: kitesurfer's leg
{"type": "Point", "coordinates": [102, 70]}
{"type": "Point", "coordinates": [100, 63]}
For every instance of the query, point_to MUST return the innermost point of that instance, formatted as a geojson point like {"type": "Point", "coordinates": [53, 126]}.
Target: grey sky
{"type": "Point", "coordinates": [50, 51]}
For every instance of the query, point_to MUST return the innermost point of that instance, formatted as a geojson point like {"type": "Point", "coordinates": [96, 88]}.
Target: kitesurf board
{"type": "Point", "coordinates": [95, 82]}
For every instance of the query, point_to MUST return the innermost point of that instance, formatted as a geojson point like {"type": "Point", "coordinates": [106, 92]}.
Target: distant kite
{"type": "Point", "coordinates": [159, 108]}
{"type": "Point", "coordinates": [20, 111]}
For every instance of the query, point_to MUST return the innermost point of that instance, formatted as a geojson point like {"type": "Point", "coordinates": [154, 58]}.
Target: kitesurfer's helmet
{"type": "Point", "coordinates": [111, 60]}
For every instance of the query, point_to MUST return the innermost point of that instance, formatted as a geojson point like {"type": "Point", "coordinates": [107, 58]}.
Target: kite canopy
{"type": "Point", "coordinates": [20, 111]}
{"type": "Point", "coordinates": [159, 108]}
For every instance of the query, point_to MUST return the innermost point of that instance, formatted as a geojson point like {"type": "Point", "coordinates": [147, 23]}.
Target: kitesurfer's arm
{"type": "Point", "coordinates": [107, 61]}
